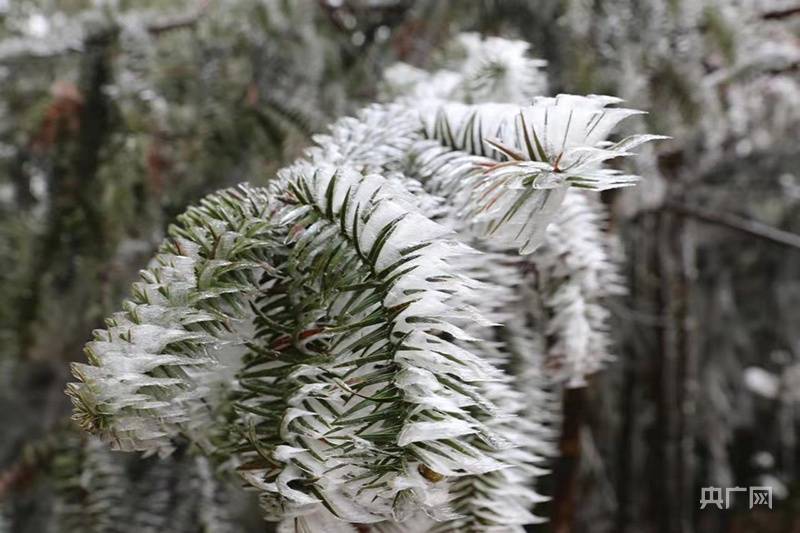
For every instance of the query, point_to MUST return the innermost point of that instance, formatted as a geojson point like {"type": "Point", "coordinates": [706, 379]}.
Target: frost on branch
{"type": "Point", "coordinates": [497, 70]}
{"type": "Point", "coordinates": [536, 152]}
{"type": "Point", "coordinates": [182, 331]}
{"type": "Point", "coordinates": [542, 148]}
{"type": "Point", "coordinates": [473, 70]}
{"type": "Point", "coordinates": [358, 340]}
{"type": "Point", "coordinates": [391, 393]}
{"type": "Point", "coordinates": [575, 269]}
{"type": "Point", "coordinates": [575, 273]}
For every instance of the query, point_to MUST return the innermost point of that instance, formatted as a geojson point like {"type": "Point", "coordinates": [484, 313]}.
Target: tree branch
{"type": "Point", "coordinates": [753, 228]}
{"type": "Point", "coordinates": [781, 13]}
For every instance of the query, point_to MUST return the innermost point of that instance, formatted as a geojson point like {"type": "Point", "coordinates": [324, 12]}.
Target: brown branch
{"type": "Point", "coordinates": [753, 228]}
{"type": "Point", "coordinates": [781, 13]}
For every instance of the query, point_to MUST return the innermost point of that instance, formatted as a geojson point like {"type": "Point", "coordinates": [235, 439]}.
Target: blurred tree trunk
{"type": "Point", "coordinates": [675, 369]}
{"type": "Point", "coordinates": [72, 139]}
{"type": "Point", "coordinates": [669, 495]}
{"type": "Point", "coordinates": [567, 468]}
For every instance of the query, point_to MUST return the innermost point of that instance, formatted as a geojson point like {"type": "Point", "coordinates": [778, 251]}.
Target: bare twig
{"type": "Point", "coordinates": [745, 225]}
{"type": "Point", "coordinates": [781, 13]}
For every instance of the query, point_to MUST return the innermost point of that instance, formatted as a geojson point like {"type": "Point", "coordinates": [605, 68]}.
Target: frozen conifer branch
{"type": "Point", "coordinates": [342, 339]}
{"type": "Point", "coordinates": [182, 333]}
{"type": "Point", "coordinates": [575, 274]}
{"type": "Point", "coordinates": [535, 153]}
{"type": "Point", "coordinates": [473, 70]}
{"type": "Point", "coordinates": [528, 153]}
{"type": "Point", "coordinates": [378, 375]}
{"type": "Point", "coordinates": [576, 268]}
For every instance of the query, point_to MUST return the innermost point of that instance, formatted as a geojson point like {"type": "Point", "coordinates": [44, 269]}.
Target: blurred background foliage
{"type": "Point", "coordinates": [115, 115]}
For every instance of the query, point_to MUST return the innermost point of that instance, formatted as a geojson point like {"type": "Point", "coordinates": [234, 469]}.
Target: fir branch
{"type": "Point", "coordinates": [369, 270]}
{"type": "Point", "coordinates": [538, 153]}
{"type": "Point", "coordinates": [343, 351]}
{"type": "Point", "coordinates": [152, 371]}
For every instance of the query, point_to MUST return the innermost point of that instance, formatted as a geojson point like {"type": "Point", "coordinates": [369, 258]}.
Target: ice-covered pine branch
{"type": "Point", "coordinates": [339, 339]}
{"type": "Point", "coordinates": [576, 272]}
{"type": "Point", "coordinates": [524, 156]}
{"type": "Point", "coordinates": [525, 159]}
{"type": "Point", "coordinates": [473, 70]}
{"type": "Point", "coordinates": [568, 281]}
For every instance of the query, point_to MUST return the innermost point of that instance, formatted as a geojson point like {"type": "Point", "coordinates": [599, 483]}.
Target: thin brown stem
{"type": "Point", "coordinates": [777, 14]}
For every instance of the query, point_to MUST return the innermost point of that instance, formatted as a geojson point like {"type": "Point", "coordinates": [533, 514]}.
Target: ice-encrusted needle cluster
{"type": "Point", "coordinates": [352, 338]}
